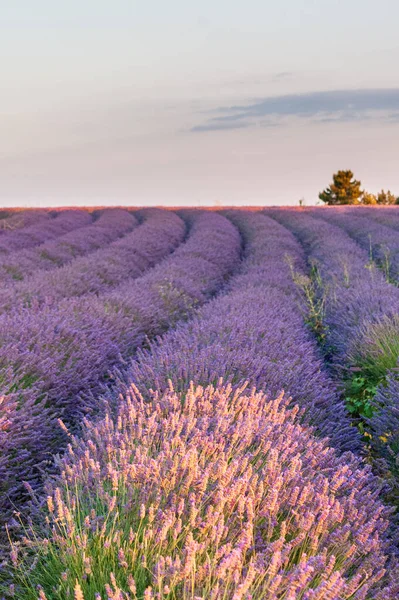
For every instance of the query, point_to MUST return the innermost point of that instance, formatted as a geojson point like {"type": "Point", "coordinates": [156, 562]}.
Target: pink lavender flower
{"type": "Point", "coordinates": [332, 546]}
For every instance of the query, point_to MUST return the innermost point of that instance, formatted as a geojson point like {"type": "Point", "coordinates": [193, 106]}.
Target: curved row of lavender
{"type": "Point", "coordinates": [385, 423]}
{"type": "Point", "coordinates": [103, 269]}
{"type": "Point", "coordinates": [216, 493]}
{"type": "Point", "coordinates": [357, 293]}
{"type": "Point", "coordinates": [254, 332]}
{"type": "Point", "coordinates": [108, 227]}
{"type": "Point", "coordinates": [385, 420]}
{"type": "Point", "coordinates": [361, 317]}
{"type": "Point", "coordinates": [59, 351]}
{"type": "Point", "coordinates": [64, 352]}
{"type": "Point", "coordinates": [12, 221]}
{"type": "Point", "coordinates": [40, 232]}
{"type": "Point", "coordinates": [380, 241]}
{"type": "Point", "coordinates": [388, 216]}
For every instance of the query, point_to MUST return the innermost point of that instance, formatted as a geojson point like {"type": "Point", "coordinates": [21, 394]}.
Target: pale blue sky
{"type": "Point", "coordinates": [177, 102]}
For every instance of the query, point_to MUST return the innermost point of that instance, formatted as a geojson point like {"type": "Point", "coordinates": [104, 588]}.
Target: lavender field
{"type": "Point", "coordinates": [199, 405]}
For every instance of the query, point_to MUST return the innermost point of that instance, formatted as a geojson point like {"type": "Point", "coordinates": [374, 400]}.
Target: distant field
{"type": "Point", "coordinates": [199, 404]}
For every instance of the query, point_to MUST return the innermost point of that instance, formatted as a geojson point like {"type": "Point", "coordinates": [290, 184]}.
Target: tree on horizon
{"type": "Point", "coordinates": [344, 189]}
{"type": "Point", "coordinates": [386, 197]}
{"type": "Point", "coordinates": [369, 199]}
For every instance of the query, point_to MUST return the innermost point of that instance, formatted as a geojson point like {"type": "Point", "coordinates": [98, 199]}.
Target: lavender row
{"type": "Point", "coordinates": [255, 332]}
{"type": "Point", "coordinates": [103, 269]}
{"type": "Point", "coordinates": [110, 225]}
{"type": "Point", "coordinates": [48, 356]}
{"type": "Point", "coordinates": [63, 353]}
{"type": "Point", "coordinates": [38, 233]}
{"type": "Point", "coordinates": [380, 241]}
{"type": "Point", "coordinates": [357, 293]}
{"type": "Point", "coordinates": [206, 494]}
{"type": "Point", "coordinates": [219, 493]}
{"type": "Point", "coordinates": [385, 424]}
{"type": "Point", "coordinates": [214, 493]}
{"type": "Point", "coordinates": [388, 216]}
{"type": "Point", "coordinates": [362, 325]}
{"type": "Point", "coordinates": [20, 219]}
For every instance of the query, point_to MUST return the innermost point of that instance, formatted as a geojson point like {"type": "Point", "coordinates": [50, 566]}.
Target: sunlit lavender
{"type": "Point", "coordinates": [199, 405]}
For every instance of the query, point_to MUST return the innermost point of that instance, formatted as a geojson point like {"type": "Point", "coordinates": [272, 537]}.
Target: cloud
{"type": "Point", "coordinates": [214, 125]}
{"type": "Point", "coordinates": [283, 75]}
{"type": "Point", "coordinates": [331, 106]}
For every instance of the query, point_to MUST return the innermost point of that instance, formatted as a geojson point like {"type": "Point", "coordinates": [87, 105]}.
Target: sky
{"type": "Point", "coordinates": [176, 102]}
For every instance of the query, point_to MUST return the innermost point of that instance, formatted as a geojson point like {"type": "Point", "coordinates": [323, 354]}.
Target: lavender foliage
{"type": "Point", "coordinates": [11, 221]}
{"type": "Point", "coordinates": [356, 292]}
{"type": "Point", "coordinates": [210, 493]}
{"type": "Point", "coordinates": [385, 215]}
{"type": "Point", "coordinates": [51, 358]}
{"type": "Point", "coordinates": [380, 241]}
{"type": "Point", "coordinates": [40, 232]}
{"type": "Point", "coordinates": [254, 332]}
{"type": "Point", "coordinates": [109, 226]}
{"type": "Point", "coordinates": [361, 317]}
{"type": "Point", "coordinates": [182, 491]}
{"type": "Point", "coordinates": [159, 232]}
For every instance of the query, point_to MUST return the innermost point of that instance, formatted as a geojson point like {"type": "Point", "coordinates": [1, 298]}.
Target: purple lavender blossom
{"type": "Point", "coordinates": [254, 332]}
{"type": "Point", "coordinates": [192, 492]}
{"type": "Point", "coordinates": [20, 219]}
{"type": "Point", "coordinates": [361, 312]}
{"type": "Point", "coordinates": [41, 231]}
{"type": "Point", "coordinates": [210, 493]}
{"type": "Point", "coordinates": [380, 241]}
{"type": "Point", "coordinates": [385, 215]}
{"type": "Point", "coordinates": [126, 258]}
{"type": "Point", "coordinates": [356, 292]}
{"type": "Point", "coordinates": [110, 225]}
{"type": "Point", "coordinates": [54, 361]}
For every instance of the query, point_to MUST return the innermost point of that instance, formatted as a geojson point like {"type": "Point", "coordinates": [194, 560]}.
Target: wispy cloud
{"type": "Point", "coordinates": [332, 106]}
{"type": "Point", "coordinates": [283, 75]}
{"type": "Point", "coordinates": [217, 126]}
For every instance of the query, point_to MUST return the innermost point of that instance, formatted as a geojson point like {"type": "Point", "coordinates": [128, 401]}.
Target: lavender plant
{"type": "Point", "coordinates": [358, 301]}
{"type": "Point", "coordinates": [253, 332]}
{"type": "Point", "coordinates": [127, 258]}
{"type": "Point", "coordinates": [206, 494]}
{"type": "Point", "coordinates": [18, 220]}
{"type": "Point", "coordinates": [191, 492]}
{"type": "Point", "coordinates": [362, 319]}
{"type": "Point", "coordinates": [110, 225]}
{"type": "Point", "coordinates": [41, 231]}
{"type": "Point", "coordinates": [385, 426]}
{"type": "Point", "coordinates": [51, 358]}
{"type": "Point", "coordinates": [388, 215]}
{"type": "Point", "coordinates": [380, 241]}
